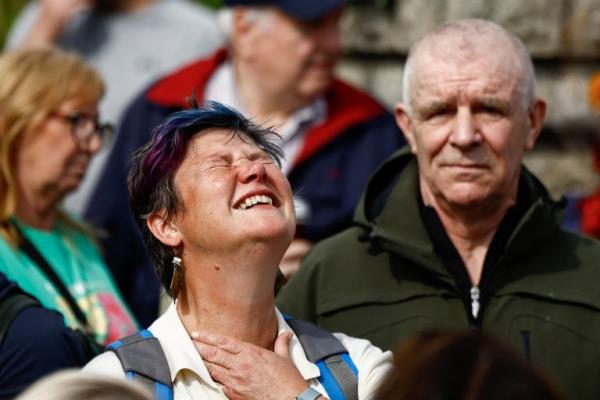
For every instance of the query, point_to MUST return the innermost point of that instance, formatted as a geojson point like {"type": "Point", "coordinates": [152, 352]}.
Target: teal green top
{"type": "Point", "coordinates": [77, 262]}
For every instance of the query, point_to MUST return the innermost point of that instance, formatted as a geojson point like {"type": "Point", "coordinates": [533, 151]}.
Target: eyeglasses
{"type": "Point", "coordinates": [84, 128]}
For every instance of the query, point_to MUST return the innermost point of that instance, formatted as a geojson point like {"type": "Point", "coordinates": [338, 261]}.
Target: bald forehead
{"type": "Point", "coordinates": [469, 44]}
{"type": "Point", "coordinates": [446, 61]}
{"type": "Point", "coordinates": [471, 31]}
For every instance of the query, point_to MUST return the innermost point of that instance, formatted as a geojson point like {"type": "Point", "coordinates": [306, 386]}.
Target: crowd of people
{"type": "Point", "coordinates": [308, 243]}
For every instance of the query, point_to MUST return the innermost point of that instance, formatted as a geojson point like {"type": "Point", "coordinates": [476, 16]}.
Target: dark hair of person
{"type": "Point", "coordinates": [150, 181]}
{"type": "Point", "coordinates": [465, 366]}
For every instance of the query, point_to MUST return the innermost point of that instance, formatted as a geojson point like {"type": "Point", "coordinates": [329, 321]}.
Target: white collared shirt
{"type": "Point", "coordinates": [192, 381]}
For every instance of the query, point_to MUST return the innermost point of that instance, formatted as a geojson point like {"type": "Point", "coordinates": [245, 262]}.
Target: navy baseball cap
{"type": "Point", "coordinates": [302, 10]}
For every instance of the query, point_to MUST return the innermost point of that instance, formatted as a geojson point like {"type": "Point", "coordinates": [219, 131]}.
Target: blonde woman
{"type": "Point", "coordinates": [49, 131]}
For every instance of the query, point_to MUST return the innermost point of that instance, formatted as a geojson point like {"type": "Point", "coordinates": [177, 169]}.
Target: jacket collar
{"type": "Point", "coordinates": [388, 212]}
{"type": "Point", "coordinates": [346, 107]}
{"type": "Point", "coordinates": [396, 183]}
{"type": "Point", "coordinates": [174, 89]}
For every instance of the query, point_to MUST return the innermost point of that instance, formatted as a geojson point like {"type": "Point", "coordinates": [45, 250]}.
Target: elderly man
{"type": "Point", "coordinates": [217, 215]}
{"type": "Point", "coordinates": [278, 69]}
{"type": "Point", "coordinates": [459, 234]}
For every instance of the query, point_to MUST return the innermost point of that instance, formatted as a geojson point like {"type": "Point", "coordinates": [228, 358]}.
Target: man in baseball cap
{"type": "Point", "coordinates": [278, 69]}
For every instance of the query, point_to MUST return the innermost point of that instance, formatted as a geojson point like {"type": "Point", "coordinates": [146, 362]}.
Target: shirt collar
{"type": "Point", "coordinates": [182, 355]}
{"type": "Point", "coordinates": [178, 346]}
{"type": "Point", "coordinates": [221, 87]}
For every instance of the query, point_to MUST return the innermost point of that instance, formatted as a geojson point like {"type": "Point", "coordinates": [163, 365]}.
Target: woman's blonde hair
{"type": "Point", "coordinates": [33, 84]}
{"type": "Point", "coordinates": [77, 385]}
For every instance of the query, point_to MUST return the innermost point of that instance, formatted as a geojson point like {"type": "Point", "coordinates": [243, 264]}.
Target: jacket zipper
{"type": "Point", "coordinates": [475, 304]}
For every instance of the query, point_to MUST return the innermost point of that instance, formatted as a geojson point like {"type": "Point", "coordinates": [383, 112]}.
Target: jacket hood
{"type": "Point", "coordinates": [540, 259]}
{"type": "Point", "coordinates": [402, 169]}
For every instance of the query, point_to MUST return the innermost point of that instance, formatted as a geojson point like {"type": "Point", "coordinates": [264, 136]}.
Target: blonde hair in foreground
{"type": "Point", "coordinates": [77, 385]}
{"type": "Point", "coordinates": [33, 84]}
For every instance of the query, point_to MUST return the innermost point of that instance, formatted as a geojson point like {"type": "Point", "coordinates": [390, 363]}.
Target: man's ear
{"type": "Point", "coordinates": [164, 230]}
{"type": "Point", "coordinates": [537, 114]}
{"type": "Point", "coordinates": [405, 123]}
{"type": "Point", "coordinates": [241, 31]}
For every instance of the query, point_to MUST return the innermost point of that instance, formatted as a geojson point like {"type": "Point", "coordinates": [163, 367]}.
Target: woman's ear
{"type": "Point", "coordinates": [164, 229]}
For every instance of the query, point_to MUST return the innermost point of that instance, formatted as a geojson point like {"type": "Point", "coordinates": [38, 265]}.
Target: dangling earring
{"type": "Point", "coordinates": [176, 262]}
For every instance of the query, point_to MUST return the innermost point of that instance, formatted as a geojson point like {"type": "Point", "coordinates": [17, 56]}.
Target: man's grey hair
{"type": "Point", "coordinates": [257, 14]}
{"type": "Point", "coordinates": [473, 33]}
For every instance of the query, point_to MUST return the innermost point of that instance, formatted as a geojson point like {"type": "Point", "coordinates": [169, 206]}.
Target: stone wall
{"type": "Point", "coordinates": [563, 37]}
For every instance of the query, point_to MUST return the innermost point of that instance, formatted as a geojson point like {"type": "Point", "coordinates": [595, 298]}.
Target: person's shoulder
{"type": "Point", "coordinates": [362, 349]}
{"type": "Point", "coordinates": [106, 363]}
{"type": "Point", "coordinates": [173, 89]}
{"type": "Point", "coordinates": [36, 343]}
{"type": "Point", "coordinates": [195, 25]}
{"type": "Point", "coordinates": [185, 11]}
{"type": "Point", "coordinates": [372, 363]}
{"type": "Point", "coordinates": [580, 238]}
{"type": "Point", "coordinates": [22, 24]}
{"type": "Point", "coordinates": [186, 8]}
{"type": "Point", "coordinates": [341, 239]}
{"type": "Point", "coordinates": [352, 107]}
{"type": "Point", "coordinates": [583, 249]}
{"type": "Point", "coordinates": [332, 268]}
{"type": "Point", "coordinates": [343, 245]}
{"type": "Point", "coordinates": [344, 97]}
{"type": "Point", "coordinates": [333, 265]}
{"type": "Point", "coordinates": [563, 267]}
{"type": "Point", "coordinates": [341, 87]}
{"type": "Point", "coordinates": [28, 324]}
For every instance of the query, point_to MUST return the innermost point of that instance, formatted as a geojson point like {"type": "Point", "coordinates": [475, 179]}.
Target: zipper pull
{"type": "Point", "coordinates": [475, 292]}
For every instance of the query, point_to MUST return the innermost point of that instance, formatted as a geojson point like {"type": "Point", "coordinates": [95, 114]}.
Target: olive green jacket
{"type": "Point", "coordinates": [381, 280]}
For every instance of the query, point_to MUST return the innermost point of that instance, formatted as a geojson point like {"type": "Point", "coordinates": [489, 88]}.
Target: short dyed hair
{"type": "Point", "coordinates": [151, 179]}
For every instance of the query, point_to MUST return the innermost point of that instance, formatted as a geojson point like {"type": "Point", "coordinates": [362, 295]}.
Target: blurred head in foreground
{"type": "Point", "coordinates": [465, 365]}
{"type": "Point", "coordinates": [75, 385]}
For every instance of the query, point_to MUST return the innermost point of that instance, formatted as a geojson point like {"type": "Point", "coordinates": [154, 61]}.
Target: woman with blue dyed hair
{"type": "Point", "coordinates": [217, 215]}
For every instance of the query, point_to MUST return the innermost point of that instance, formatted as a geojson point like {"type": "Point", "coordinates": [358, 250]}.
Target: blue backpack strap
{"type": "Point", "coordinates": [144, 361]}
{"type": "Point", "coordinates": [339, 375]}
